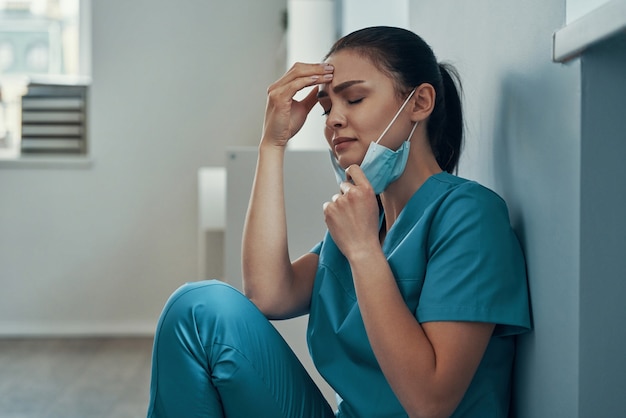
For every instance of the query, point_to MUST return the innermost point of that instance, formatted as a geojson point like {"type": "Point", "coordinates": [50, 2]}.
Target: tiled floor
{"type": "Point", "coordinates": [74, 378]}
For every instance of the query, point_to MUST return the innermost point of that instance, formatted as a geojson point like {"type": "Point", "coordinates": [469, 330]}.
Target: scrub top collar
{"type": "Point", "coordinates": [411, 213]}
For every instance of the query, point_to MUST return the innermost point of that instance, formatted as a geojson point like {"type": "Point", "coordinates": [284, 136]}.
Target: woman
{"type": "Point", "coordinates": [415, 293]}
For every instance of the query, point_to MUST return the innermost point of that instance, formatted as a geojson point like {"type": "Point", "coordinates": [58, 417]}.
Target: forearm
{"type": "Point", "coordinates": [265, 257]}
{"type": "Point", "coordinates": [277, 286]}
{"type": "Point", "coordinates": [429, 366]}
{"type": "Point", "coordinates": [404, 354]}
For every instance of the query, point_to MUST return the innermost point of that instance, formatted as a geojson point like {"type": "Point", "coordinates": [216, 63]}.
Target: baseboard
{"type": "Point", "coordinates": [77, 328]}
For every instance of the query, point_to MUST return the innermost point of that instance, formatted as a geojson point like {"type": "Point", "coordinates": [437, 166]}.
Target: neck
{"type": "Point", "coordinates": [420, 166]}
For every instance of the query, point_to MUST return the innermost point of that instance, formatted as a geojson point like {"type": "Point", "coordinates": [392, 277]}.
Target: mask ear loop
{"type": "Point", "coordinates": [396, 117]}
{"type": "Point", "coordinates": [413, 131]}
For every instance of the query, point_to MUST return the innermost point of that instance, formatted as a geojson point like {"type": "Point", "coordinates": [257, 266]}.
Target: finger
{"type": "Point", "coordinates": [316, 71]}
{"type": "Point", "coordinates": [345, 187]}
{"type": "Point", "coordinates": [284, 95]}
{"type": "Point", "coordinates": [302, 68]}
{"type": "Point", "coordinates": [302, 75]}
{"type": "Point", "coordinates": [356, 175]}
{"type": "Point", "coordinates": [335, 197]}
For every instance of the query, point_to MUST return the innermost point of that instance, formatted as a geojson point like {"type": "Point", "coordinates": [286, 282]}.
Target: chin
{"type": "Point", "coordinates": [347, 162]}
{"type": "Point", "coordinates": [348, 157]}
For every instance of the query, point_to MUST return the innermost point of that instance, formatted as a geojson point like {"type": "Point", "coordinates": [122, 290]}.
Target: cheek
{"type": "Point", "coordinates": [368, 128]}
{"type": "Point", "coordinates": [373, 123]}
{"type": "Point", "coordinates": [328, 134]}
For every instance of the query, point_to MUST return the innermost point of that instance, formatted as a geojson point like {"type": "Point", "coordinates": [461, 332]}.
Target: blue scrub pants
{"type": "Point", "coordinates": [216, 355]}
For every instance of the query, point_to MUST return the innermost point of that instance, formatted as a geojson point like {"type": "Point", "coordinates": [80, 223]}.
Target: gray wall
{"type": "Point", "coordinates": [565, 187]}
{"type": "Point", "coordinates": [523, 124]}
{"type": "Point", "coordinates": [99, 249]}
{"type": "Point", "coordinates": [603, 231]}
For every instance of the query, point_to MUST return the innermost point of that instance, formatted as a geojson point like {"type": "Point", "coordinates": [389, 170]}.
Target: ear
{"type": "Point", "coordinates": [423, 102]}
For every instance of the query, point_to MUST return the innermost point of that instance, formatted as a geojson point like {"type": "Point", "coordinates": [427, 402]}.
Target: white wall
{"type": "Point", "coordinates": [99, 249]}
{"type": "Point", "coordinates": [357, 14]}
{"type": "Point", "coordinates": [575, 9]}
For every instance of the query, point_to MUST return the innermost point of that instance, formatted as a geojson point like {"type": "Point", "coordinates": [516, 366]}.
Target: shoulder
{"type": "Point", "coordinates": [466, 199]}
{"type": "Point", "coordinates": [470, 218]}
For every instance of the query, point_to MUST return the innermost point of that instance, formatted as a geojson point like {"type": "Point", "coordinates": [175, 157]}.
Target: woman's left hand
{"type": "Point", "coordinates": [352, 217]}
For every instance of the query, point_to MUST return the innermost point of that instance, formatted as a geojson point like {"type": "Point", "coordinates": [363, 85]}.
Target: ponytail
{"type": "Point", "coordinates": [446, 121]}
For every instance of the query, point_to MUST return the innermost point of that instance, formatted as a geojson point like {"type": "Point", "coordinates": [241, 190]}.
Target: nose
{"type": "Point", "coordinates": [335, 119]}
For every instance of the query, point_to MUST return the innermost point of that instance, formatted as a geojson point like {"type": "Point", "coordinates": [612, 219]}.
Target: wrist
{"type": "Point", "coordinates": [270, 144]}
{"type": "Point", "coordinates": [365, 252]}
{"type": "Point", "coordinates": [270, 155]}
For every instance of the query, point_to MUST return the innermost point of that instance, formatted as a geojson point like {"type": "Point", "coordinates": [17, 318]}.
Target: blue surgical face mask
{"type": "Point", "coordinates": [381, 165]}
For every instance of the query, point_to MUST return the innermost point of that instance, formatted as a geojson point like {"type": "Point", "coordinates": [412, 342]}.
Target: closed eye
{"type": "Point", "coordinates": [350, 102]}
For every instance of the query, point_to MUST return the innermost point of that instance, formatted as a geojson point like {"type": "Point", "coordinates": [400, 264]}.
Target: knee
{"type": "Point", "coordinates": [204, 301]}
{"type": "Point", "coordinates": [204, 290]}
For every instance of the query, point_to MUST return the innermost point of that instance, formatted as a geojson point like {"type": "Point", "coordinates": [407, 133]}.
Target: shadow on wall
{"type": "Point", "coordinates": [536, 154]}
{"type": "Point", "coordinates": [512, 152]}
{"type": "Point", "coordinates": [532, 167]}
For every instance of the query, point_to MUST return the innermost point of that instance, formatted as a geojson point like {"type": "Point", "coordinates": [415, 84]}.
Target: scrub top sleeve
{"type": "Point", "coordinates": [475, 269]}
{"type": "Point", "coordinates": [317, 249]}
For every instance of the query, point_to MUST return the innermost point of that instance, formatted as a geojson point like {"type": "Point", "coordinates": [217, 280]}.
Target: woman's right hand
{"type": "Point", "coordinates": [284, 116]}
{"type": "Point", "coordinates": [280, 288]}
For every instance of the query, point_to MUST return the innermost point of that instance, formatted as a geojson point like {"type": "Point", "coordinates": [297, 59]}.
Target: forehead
{"type": "Point", "coordinates": [346, 60]}
{"type": "Point", "coordinates": [350, 66]}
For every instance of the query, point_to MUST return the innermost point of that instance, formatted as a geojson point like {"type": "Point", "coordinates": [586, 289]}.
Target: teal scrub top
{"type": "Point", "coordinates": [455, 257]}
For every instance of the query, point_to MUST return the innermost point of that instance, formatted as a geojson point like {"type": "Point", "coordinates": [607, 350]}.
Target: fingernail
{"type": "Point", "coordinates": [328, 67]}
{"type": "Point", "coordinates": [328, 76]}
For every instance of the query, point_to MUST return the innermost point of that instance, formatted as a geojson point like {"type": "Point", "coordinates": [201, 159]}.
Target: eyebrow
{"type": "Point", "coordinates": [340, 87]}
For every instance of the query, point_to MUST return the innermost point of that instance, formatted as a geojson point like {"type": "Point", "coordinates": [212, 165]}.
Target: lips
{"type": "Point", "coordinates": [337, 142]}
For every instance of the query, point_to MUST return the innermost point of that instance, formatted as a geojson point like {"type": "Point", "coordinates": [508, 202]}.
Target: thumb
{"type": "Point", "coordinates": [310, 100]}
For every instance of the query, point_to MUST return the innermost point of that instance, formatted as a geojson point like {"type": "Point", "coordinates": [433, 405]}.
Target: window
{"type": "Point", "coordinates": [41, 57]}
